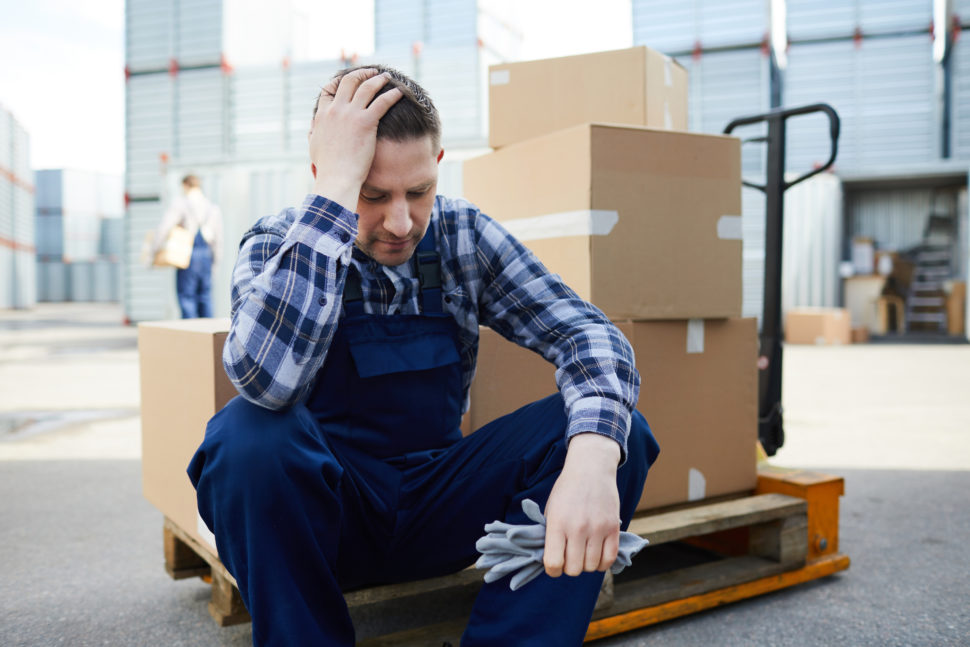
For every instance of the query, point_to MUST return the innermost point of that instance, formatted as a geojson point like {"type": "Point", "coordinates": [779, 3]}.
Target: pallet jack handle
{"type": "Point", "coordinates": [770, 427]}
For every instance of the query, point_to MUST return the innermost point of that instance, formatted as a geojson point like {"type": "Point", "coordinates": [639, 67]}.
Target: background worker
{"type": "Point", "coordinates": [193, 211]}
{"type": "Point", "coordinates": [353, 345]}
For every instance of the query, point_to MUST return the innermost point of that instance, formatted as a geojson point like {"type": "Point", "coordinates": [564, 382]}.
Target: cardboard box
{"type": "Point", "coordinates": [635, 86]}
{"type": "Point", "coordinates": [818, 326]}
{"type": "Point", "coordinates": [956, 306]}
{"type": "Point", "coordinates": [643, 223]}
{"type": "Point", "coordinates": [183, 384]}
{"type": "Point", "coordinates": [699, 392]}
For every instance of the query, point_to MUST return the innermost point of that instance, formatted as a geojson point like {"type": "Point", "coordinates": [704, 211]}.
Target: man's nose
{"type": "Point", "coordinates": [397, 221]}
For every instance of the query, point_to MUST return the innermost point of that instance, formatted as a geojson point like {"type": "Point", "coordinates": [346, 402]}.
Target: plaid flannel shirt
{"type": "Point", "coordinates": [287, 289]}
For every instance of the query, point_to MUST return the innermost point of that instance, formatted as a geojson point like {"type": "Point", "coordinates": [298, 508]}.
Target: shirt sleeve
{"type": "Point", "coordinates": [287, 287]}
{"type": "Point", "coordinates": [595, 368]}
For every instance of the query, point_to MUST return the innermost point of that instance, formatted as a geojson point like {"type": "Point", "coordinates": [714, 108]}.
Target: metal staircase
{"type": "Point", "coordinates": [926, 301]}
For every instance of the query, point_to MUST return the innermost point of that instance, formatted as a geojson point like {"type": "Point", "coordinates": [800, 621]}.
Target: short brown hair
{"type": "Point", "coordinates": [191, 181]}
{"type": "Point", "coordinates": [413, 116]}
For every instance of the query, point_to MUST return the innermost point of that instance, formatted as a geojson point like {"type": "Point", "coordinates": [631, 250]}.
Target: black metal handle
{"type": "Point", "coordinates": [782, 115]}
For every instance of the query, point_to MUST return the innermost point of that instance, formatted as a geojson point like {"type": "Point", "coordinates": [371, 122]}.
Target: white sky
{"type": "Point", "coordinates": [62, 62]}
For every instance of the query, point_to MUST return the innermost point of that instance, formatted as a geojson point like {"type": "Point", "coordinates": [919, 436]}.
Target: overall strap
{"type": "Point", "coordinates": [353, 294]}
{"type": "Point", "coordinates": [427, 267]}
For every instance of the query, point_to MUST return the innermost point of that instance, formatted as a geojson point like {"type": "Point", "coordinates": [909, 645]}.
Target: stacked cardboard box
{"type": "Point", "coordinates": [643, 221]}
{"type": "Point", "coordinates": [183, 384]}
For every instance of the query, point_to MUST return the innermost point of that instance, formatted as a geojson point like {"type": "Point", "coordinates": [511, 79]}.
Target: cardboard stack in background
{"type": "Point", "coordinates": [592, 171]}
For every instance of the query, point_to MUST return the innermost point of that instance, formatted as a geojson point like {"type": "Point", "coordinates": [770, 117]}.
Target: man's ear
{"type": "Point", "coordinates": [441, 154]}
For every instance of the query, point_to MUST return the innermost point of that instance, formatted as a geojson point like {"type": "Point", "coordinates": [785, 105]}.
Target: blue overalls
{"type": "Point", "coordinates": [193, 285]}
{"type": "Point", "coordinates": [370, 482]}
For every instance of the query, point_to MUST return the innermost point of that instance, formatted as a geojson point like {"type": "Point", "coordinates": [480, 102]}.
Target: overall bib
{"type": "Point", "coordinates": [371, 482]}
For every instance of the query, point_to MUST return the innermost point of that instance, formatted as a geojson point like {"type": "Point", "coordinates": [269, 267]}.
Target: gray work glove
{"type": "Point", "coordinates": [509, 548]}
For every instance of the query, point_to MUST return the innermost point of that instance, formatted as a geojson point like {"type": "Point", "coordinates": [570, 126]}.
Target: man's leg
{"type": "Point", "coordinates": [185, 291]}
{"type": "Point", "coordinates": [269, 487]}
{"type": "Point", "coordinates": [485, 477]}
{"type": "Point", "coordinates": [204, 293]}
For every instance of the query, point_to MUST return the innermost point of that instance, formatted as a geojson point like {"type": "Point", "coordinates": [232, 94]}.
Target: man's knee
{"type": "Point", "coordinates": [251, 444]}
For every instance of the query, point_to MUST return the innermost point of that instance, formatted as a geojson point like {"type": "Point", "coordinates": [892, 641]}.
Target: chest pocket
{"type": "Point", "coordinates": [397, 345]}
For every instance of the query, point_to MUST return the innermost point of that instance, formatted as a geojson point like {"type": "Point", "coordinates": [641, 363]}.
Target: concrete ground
{"type": "Point", "coordinates": [81, 550]}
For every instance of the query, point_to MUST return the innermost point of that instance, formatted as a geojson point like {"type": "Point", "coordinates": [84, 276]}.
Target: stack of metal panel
{"type": "Point", "coordinates": [75, 259]}
{"type": "Point", "coordinates": [17, 240]}
{"type": "Point", "coordinates": [729, 75]}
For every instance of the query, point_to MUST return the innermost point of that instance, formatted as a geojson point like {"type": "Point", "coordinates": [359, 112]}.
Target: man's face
{"type": "Point", "coordinates": [396, 199]}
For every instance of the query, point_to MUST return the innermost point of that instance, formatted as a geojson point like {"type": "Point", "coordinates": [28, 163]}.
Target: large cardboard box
{"type": "Point", "coordinates": [698, 392]}
{"type": "Point", "coordinates": [643, 223]}
{"type": "Point", "coordinates": [818, 326]}
{"type": "Point", "coordinates": [635, 86]}
{"type": "Point", "coordinates": [183, 384]}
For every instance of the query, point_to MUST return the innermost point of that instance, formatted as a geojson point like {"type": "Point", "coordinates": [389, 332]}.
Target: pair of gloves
{"type": "Point", "coordinates": [517, 549]}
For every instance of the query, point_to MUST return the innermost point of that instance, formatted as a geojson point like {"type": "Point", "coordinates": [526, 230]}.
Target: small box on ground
{"type": "Point", "coordinates": [643, 223]}
{"type": "Point", "coordinates": [698, 392]}
{"type": "Point", "coordinates": [183, 384]}
{"type": "Point", "coordinates": [820, 326]}
{"type": "Point", "coordinates": [635, 86]}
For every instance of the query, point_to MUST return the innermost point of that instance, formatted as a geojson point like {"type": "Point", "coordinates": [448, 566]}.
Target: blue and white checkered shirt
{"type": "Point", "coordinates": [287, 291]}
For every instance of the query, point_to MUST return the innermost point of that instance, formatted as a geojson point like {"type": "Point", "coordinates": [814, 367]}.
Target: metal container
{"type": "Point", "coordinates": [52, 281]}
{"type": "Point", "coordinates": [199, 30]}
{"type": "Point", "coordinates": [106, 283]}
{"type": "Point", "coordinates": [201, 116]}
{"type": "Point", "coordinates": [819, 19]}
{"type": "Point", "coordinates": [81, 281]}
{"type": "Point", "coordinates": [149, 34]}
{"type": "Point", "coordinates": [960, 100]}
{"type": "Point", "coordinates": [147, 293]}
{"type": "Point", "coordinates": [883, 90]}
{"type": "Point", "coordinates": [69, 212]}
{"type": "Point", "coordinates": [399, 23]}
{"type": "Point", "coordinates": [149, 132]}
{"type": "Point", "coordinates": [111, 239]}
{"type": "Point", "coordinates": [258, 97]}
{"type": "Point", "coordinates": [679, 27]}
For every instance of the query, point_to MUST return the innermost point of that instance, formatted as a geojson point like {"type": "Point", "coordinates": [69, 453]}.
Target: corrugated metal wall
{"type": "Point", "coordinates": [884, 90]}
{"type": "Point", "coordinates": [18, 272]}
{"type": "Point", "coordinates": [678, 27]}
{"type": "Point", "coordinates": [398, 24]}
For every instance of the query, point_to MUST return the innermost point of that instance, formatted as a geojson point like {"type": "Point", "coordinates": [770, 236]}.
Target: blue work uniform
{"type": "Point", "coordinates": [193, 285]}
{"type": "Point", "coordinates": [371, 482]}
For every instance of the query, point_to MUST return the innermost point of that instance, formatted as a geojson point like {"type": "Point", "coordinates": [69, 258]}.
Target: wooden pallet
{"type": "Point", "coordinates": [699, 557]}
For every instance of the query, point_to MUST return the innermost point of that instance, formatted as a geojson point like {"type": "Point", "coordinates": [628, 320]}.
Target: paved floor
{"type": "Point", "coordinates": [81, 550]}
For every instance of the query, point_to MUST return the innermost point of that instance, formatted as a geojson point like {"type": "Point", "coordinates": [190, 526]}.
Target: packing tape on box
{"type": "Point", "coordinates": [585, 222]}
{"type": "Point", "coordinates": [695, 336]}
{"type": "Point", "coordinates": [730, 228]}
{"type": "Point", "coordinates": [696, 485]}
{"type": "Point", "coordinates": [668, 72]}
{"type": "Point", "coordinates": [499, 77]}
{"type": "Point", "coordinates": [668, 120]}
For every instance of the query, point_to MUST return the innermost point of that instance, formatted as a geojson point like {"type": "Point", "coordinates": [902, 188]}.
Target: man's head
{"type": "Point", "coordinates": [412, 117]}
{"type": "Point", "coordinates": [190, 182]}
{"type": "Point", "coordinates": [397, 197]}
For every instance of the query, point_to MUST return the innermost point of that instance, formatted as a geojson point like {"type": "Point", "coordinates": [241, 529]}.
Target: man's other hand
{"type": "Point", "coordinates": [583, 511]}
{"type": "Point", "coordinates": [343, 134]}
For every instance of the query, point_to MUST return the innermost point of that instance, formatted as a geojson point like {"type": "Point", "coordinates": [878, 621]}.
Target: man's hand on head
{"type": "Point", "coordinates": [583, 510]}
{"type": "Point", "coordinates": [343, 134]}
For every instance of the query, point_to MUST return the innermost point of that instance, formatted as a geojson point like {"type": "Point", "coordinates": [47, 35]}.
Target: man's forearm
{"type": "Point", "coordinates": [286, 301]}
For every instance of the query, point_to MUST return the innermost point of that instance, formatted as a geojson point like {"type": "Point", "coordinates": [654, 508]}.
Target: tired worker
{"type": "Point", "coordinates": [353, 344]}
